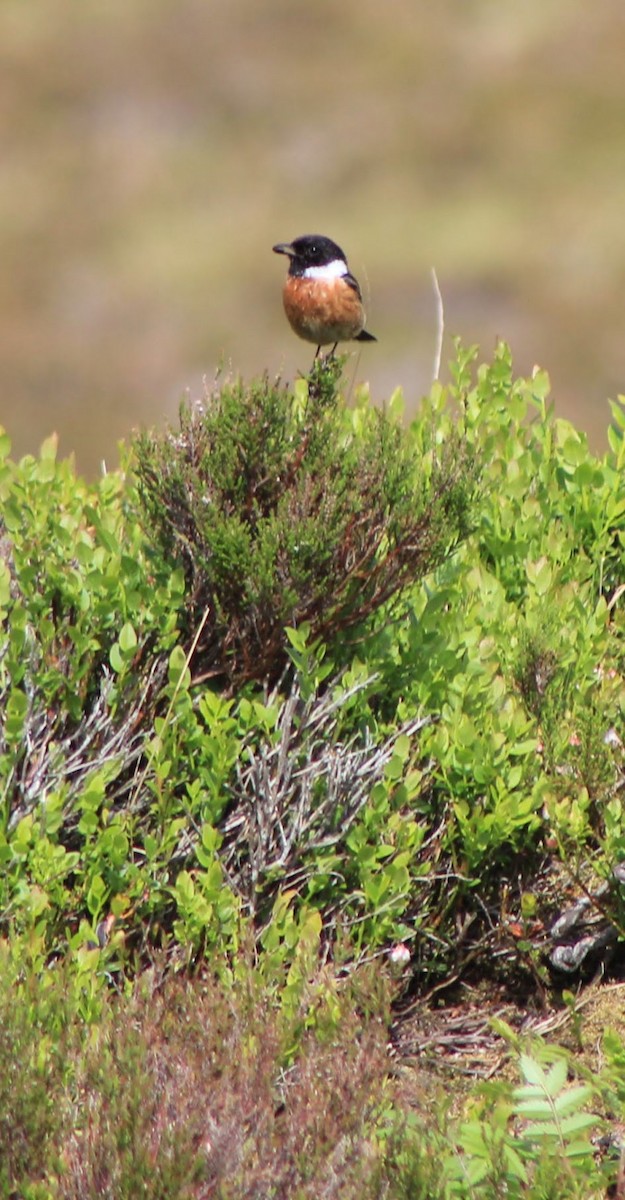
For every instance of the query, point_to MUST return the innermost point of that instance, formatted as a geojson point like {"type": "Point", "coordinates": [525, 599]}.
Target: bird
{"type": "Point", "coordinates": [322, 299]}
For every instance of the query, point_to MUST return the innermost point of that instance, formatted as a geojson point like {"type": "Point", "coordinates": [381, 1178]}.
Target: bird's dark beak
{"type": "Point", "coordinates": [283, 248]}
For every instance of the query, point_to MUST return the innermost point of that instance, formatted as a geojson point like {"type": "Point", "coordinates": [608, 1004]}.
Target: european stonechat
{"type": "Point", "coordinates": [322, 299]}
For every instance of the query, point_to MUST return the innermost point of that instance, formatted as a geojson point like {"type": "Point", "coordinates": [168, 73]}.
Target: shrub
{"type": "Point", "coordinates": [31, 1073]}
{"type": "Point", "coordinates": [86, 630]}
{"type": "Point", "coordinates": [282, 506]}
{"type": "Point", "coordinates": [211, 1086]}
{"type": "Point", "coordinates": [424, 767]}
{"type": "Point", "coordinates": [197, 1089]}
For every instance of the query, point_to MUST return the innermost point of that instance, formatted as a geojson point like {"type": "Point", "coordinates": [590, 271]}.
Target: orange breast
{"type": "Point", "coordinates": [323, 311]}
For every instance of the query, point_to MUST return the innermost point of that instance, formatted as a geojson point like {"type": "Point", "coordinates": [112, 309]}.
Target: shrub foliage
{"type": "Point", "coordinates": [211, 1087]}
{"type": "Point", "coordinates": [182, 749]}
{"type": "Point", "coordinates": [284, 507]}
{"type": "Point", "coordinates": [345, 684]}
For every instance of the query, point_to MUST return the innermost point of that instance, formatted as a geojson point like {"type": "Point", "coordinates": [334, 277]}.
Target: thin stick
{"type": "Point", "coordinates": [440, 327]}
{"type": "Point", "coordinates": [185, 666]}
{"type": "Point", "coordinates": [143, 773]}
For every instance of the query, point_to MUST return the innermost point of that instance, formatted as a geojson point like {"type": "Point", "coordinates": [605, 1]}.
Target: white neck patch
{"type": "Point", "coordinates": [331, 270]}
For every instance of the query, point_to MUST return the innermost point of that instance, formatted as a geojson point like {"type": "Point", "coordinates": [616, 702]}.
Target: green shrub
{"type": "Point", "coordinates": [427, 761]}
{"type": "Point", "coordinates": [284, 507]}
{"type": "Point", "coordinates": [433, 756]}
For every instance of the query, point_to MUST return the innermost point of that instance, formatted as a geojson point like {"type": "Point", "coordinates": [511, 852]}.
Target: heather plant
{"type": "Point", "coordinates": [210, 1085]}
{"type": "Point", "coordinates": [284, 507]}
{"type": "Point", "coordinates": [184, 1088]}
{"type": "Point", "coordinates": [31, 1072]}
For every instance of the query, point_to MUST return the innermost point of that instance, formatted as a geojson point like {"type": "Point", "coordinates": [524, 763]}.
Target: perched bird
{"type": "Point", "coordinates": [322, 299]}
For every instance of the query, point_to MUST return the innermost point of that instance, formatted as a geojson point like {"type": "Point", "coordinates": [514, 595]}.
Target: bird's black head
{"type": "Point", "coordinates": [310, 250]}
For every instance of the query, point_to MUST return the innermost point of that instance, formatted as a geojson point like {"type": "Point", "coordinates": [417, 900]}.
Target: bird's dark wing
{"type": "Point", "coordinates": [353, 283]}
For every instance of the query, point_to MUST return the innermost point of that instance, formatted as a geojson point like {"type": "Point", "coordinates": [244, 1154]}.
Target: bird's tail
{"type": "Point", "coordinates": [363, 336]}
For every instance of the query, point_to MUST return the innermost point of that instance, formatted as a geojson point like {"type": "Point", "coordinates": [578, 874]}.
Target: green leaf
{"type": "Point", "coordinates": [15, 715]}
{"type": "Point", "coordinates": [116, 658]}
{"type": "Point", "coordinates": [127, 640]}
{"type": "Point", "coordinates": [556, 1077]}
{"type": "Point", "coordinates": [178, 670]}
{"type": "Point", "coordinates": [49, 447]}
{"type": "Point", "coordinates": [573, 1097]}
{"type": "Point", "coordinates": [540, 573]}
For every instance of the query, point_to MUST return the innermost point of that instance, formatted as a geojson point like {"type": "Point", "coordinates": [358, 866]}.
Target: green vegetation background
{"type": "Point", "coordinates": [222, 867]}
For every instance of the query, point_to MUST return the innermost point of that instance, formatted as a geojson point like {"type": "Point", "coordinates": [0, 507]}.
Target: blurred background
{"type": "Point", "coordinates": [152, 153]}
